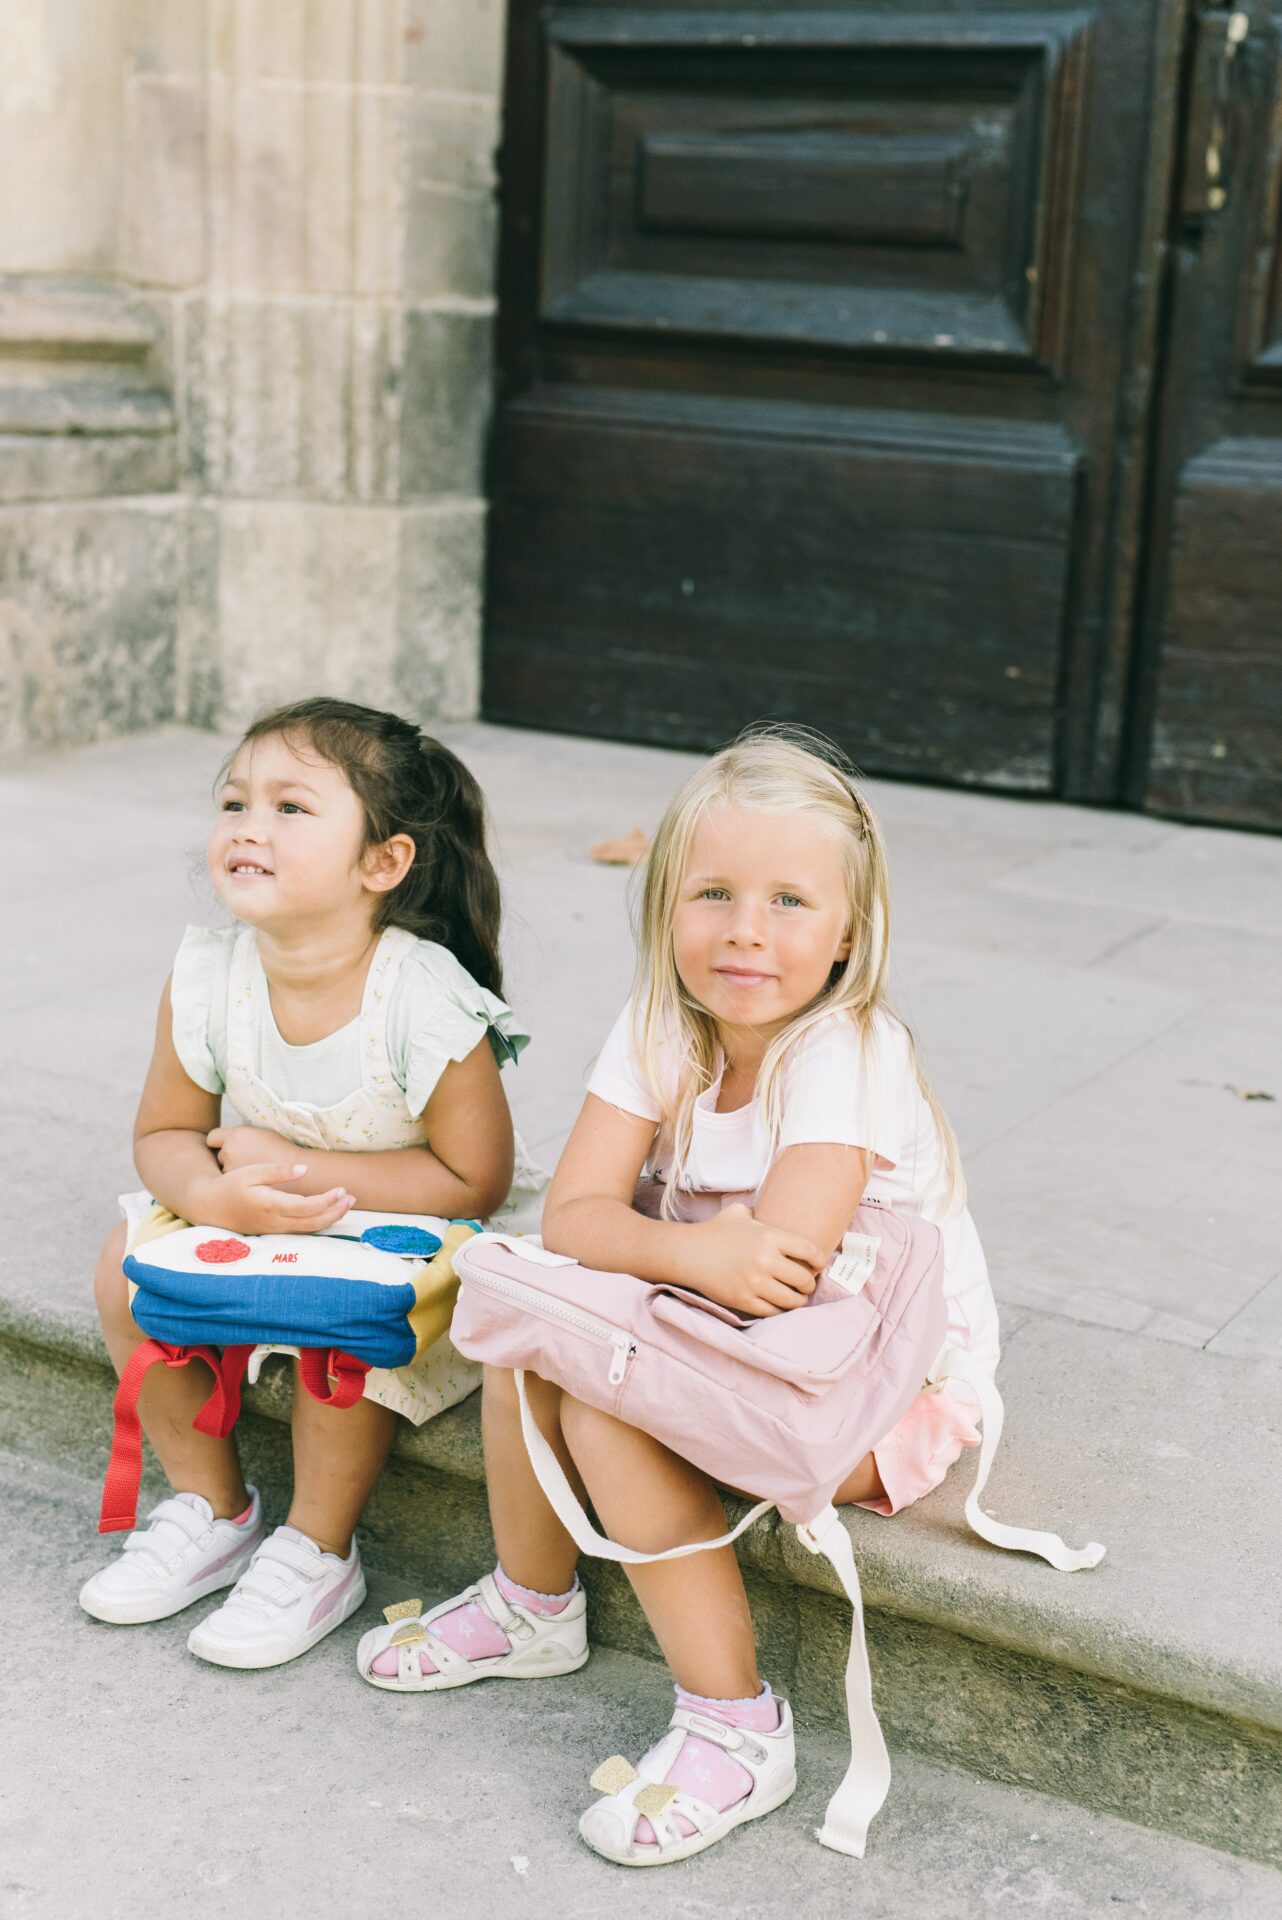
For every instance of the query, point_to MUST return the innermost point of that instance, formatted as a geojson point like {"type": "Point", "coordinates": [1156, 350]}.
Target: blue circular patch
{"type": "Point", "coordinates": [394, 1239]}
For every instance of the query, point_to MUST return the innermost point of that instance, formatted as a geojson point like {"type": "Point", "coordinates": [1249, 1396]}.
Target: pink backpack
{"type": "Point", "coordinates": [784, 1405]}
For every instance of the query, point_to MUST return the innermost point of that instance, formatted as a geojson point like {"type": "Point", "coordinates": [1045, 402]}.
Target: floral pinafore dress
{"type": "Point", "coordinates": [372, 1118]}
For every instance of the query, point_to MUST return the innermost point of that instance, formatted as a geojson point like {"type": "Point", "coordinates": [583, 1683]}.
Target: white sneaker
{"type": "Point", "coordinates": [178, 1556]}
{"type": "Point", "coordinates": [290, 1596]}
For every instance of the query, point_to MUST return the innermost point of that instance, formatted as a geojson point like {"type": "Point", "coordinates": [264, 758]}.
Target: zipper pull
{"type": "Point", "coordinates": [623, 1351]}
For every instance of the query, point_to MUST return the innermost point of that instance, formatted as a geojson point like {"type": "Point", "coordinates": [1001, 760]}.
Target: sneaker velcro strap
{"type": "Point", "coordinates": [174, 1513]}
{"type": "Point", "coordinates": [292, 1555]}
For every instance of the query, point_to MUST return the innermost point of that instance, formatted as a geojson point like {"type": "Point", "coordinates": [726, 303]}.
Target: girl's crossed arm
{"type": "Point", "coordinates": [465, 1173]}
{"type": "Point", "coordinates": [251, 1181]}
{"type": "Point", "coordinates": [181, 1170]}
{"type": "Point", "coordinates": [755, 1265]}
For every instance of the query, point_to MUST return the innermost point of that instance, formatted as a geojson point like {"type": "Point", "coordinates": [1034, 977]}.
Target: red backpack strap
{"type": "Point", "coordinates": [318, 1365]}
{"type": "Point", "coordinates": [217, 1417]}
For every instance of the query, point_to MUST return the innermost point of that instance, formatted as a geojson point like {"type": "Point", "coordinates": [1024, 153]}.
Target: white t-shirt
{"type": "Point", "coordinates": [835, 1091]}
{"type": "Point", "coordinates": [437, 1013]}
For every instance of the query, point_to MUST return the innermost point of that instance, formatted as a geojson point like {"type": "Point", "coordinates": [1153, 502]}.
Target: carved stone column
{"type": "Point", "coordinates": [309, 195]}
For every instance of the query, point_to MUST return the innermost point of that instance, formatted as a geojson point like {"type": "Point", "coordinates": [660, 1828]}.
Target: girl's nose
{"type": "Point", "coordinates": [747, 926]}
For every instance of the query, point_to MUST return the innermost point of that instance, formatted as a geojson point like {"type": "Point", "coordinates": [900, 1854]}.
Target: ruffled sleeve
{"type": "Point", "coordinates": [202, 968]}
{"type": "Point", "coordinates": [439, 1013]}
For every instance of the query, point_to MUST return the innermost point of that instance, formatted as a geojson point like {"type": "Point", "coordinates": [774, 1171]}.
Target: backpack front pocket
{"type": "Point", "coordinates": [809, 1347]}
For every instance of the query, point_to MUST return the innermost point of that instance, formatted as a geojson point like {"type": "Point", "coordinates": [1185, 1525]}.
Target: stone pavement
{"type": "Point", "coordinates": [140, 1786]}
{"type": "Point", "coordinates": [1094, 995]}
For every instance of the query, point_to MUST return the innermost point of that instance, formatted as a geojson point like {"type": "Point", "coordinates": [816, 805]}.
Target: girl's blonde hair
{"type": "Point", "coordinates": [771, 770]}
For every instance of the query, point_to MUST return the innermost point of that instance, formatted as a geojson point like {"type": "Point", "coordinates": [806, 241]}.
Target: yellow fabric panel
{"type": "Point", "coordinates": [437, 1288]}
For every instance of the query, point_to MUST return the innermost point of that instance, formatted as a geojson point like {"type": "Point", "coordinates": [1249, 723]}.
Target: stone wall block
{"type": "Point", "coordinates": [169, 36]}
{"type": "Point", "coordinates": [445, 401]}
{"type": "Point", "coordinates": [328, 187]}
{"type": "Point", "coordinates": [327, 402]}
{"type": "Point", "coordinates": [259, 39]}
{"type": "Point", "coordinates": [162, 241]}
{"type": "Point", "coordinates": [378, 139]}
{"type": "Point", "coordinates": [50, 466]}
{"type": "Point", "coordinates": [377, 48]}
{"type": "Point", "coordinates": [374, 415]}
{"type": "Point", "coordinates": [61, 134]}
{"type": "Point", "coordinates": [353, 41]}
{"type": "Point", "coordinates": [442, 553]}
{"type": "Point", "coordinates": [189, 385]}
{"type": "Point", "coordinates": [88, 617]}
{"type": "Point", "coordinates": [298, 399]}
{"type": "Point", "coordinates": [331, 40]}
{"type": "Point", "coordinates": [451, 211]}
{"type": "Point", "coordinates": [265, 188]}
{"type": "Point", "coordinates": [198, 671]}
{"type": "Point", "coordinates": [307, 600]}
{"type": "Point", "coordinates": [455, 45]}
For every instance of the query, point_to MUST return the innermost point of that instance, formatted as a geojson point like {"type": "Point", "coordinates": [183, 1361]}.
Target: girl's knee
{"type": "Point", "coordinates": [110, 1287]}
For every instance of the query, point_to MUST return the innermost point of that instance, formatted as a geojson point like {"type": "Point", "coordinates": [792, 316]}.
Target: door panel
{"type": "Point", "coordinates": [875, 188]}
{"type": "Point", "coordinates": [817, 376]}
{"type": "Point", "coordinates": [791, 574]}
{"type": "Point", "coordinates": [1209, 699]}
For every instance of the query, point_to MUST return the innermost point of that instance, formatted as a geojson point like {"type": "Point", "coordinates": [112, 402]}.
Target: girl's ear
{"type": "Point", "coordinates": [386, 865]}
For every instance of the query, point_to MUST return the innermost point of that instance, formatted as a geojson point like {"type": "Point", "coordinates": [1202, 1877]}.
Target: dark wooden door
{"type": "Point", "coordinates": [1208, 699]}
{"type": "Point", "coordinates": [825, 362]}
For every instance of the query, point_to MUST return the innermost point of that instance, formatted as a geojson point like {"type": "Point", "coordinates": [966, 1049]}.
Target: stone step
{"type": "Point", "coordinates": [1150, 1688]}
{"type": "Point", "coordinates": [367, 1800]}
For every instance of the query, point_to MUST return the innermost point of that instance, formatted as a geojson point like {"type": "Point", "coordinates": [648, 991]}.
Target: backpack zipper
{"type": "Point", "coordinates": [623, 1350]}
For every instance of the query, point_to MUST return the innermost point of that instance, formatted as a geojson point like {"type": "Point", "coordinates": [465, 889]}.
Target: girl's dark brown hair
{"type": "Point", "coordinates": [409, 783]}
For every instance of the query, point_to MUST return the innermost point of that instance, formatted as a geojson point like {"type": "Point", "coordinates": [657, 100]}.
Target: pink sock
{"type": "Point", "coordinates": [470, 1631]}
{"type": "Point", "coordinates": [703, 1769]}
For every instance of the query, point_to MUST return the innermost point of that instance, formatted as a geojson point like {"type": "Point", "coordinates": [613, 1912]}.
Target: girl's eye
{"type": "Point", "coordinates": [291, 806]}
{"type": "Point", "coordinates": [233, 806]}
{"type": "Point", "coordinates": [713, 893]}
{"type": "Point", "coordinates": [791, 900]}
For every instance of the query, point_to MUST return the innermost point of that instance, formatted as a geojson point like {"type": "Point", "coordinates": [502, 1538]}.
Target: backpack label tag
{"type": "Point", "coordinates": [855, 1264]}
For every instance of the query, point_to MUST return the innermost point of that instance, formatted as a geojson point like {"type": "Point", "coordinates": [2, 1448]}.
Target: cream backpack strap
{"type": "Point", "coordinates": [955, 1364]}
{"type": "Point", "coordinates": [867, 1778]}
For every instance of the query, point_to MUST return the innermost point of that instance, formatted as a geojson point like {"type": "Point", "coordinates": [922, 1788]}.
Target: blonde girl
{"type": "Point", "coordinates": [352, 1017]}
{"type": "Point", "coordinates": [755, 1089]}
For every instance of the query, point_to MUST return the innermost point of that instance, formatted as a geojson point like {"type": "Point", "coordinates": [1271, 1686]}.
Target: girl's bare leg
{"type": "Point", "coordinates": [649, 1498]}
{"type": "Point", "coordinates": [339, 1453]}
{"type": "Point", "coordinates": [861, 1483]}
{"type": "Point", "coordinates": [171, 1398]}
{"type": "Point", "coordinates": [533, 1547]}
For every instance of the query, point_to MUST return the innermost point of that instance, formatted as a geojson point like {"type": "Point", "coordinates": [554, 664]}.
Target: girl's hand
{"type": "Point", "coordinates": [250, 1200]}
{"type": "Point", "coordinates": [753, 1268]}
{"type": "Point", "coordinates": [238, 1147]}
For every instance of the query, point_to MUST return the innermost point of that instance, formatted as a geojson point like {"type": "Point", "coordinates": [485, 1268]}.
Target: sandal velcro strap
{"type": "Point", "coordinates": [403, 1610]}
{"type": "Point", "coordinates": [613, 1775]}
{"type": "Point", "coordinates": [654, 1800]}
{"type": "Point", "coordinates": [505, 1617]}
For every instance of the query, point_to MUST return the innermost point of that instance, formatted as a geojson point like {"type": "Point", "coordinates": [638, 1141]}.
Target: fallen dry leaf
{"type": "Point", "coordinates": [625, 852]}
{"type": "Point", "coordinates": [1251, 1093]}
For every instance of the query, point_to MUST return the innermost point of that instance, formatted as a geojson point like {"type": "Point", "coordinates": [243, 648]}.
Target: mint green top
{"type": "Point", "coordinates": [437, 1013]}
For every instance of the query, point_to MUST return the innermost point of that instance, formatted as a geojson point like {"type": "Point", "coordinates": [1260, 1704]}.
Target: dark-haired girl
{"type": "Point", "coordinates": [352, 1018]}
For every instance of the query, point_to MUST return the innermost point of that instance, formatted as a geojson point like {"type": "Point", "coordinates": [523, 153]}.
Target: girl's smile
{"type": "Point", "coordinates": [287, 838]}
{"type": "Point", "coordinates": [761, 916]}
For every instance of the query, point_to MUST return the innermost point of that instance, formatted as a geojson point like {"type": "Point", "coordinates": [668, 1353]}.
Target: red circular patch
{"type": "Point", "coordinates": [218, 1252]}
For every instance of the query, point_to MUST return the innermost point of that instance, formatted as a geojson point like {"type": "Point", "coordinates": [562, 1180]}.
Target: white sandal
{"type": "Point", "coordinates": [542, 1645]}
{"type": "Point", "coordinates": [610, 1826]}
